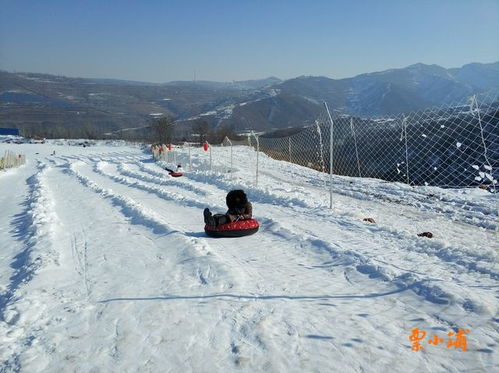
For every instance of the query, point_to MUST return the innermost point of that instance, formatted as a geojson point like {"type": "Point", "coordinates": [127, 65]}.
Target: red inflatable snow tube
{"type": "Point", "coordinates": [175, 174]}
{"type": "Point", "coordinates": [235, 229]}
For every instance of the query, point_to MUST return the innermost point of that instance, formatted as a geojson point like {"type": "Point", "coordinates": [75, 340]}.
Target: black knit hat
{"type": "Point", "coordinates": [236, 199]}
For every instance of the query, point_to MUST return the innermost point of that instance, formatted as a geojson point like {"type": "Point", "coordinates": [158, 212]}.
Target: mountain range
{"type": "Point", "coordinates": [48, 103]}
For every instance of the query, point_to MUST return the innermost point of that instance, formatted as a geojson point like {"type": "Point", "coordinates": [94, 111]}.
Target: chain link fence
{"type": "Point", "coordinates": [451, 146]}
{"type": "Point", "coordinates": [11, 159]}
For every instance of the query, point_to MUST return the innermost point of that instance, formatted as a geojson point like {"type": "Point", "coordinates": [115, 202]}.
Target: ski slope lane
{"type": "Point", "coordinates": [284, 273]}
{"type": "Point", "coordinates": [454, 298]}
{"type": "Point", "coordinates": [101, 255]}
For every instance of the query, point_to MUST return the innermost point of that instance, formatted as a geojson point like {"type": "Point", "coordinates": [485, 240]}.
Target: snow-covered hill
{"type": "Point", "coordinates": [104, 267]}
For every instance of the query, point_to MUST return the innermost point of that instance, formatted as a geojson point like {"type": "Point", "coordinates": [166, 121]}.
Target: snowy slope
{"type": "Point", "coordinates": [104, 267]}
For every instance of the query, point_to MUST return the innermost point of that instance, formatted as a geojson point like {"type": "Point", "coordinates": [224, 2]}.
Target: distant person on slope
{"type": "Point", "coordinates": [239, 208]}
{"type": "Point", "coordinates": [179, 169]}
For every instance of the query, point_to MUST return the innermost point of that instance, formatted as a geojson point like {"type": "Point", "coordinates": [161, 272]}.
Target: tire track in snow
{"type": "Point", "coordinates": [138, 184]}
{"type": "Point", "coordinates": [460, 256]}
{"type": "Point", "coordinates": [468, 212]}
{"type": "Point", "coordinates": [147, 217]}
{"type": "Point", "coordinates": [439, 269]}
{"type": "Point", "coordinates": [257, 195]}
{"type": "Point", "coordinates": [454, 255]}
{"type": "Point", "coordinates": [157, 177]}
{"type": "Point", "coordinates": [129, 207]}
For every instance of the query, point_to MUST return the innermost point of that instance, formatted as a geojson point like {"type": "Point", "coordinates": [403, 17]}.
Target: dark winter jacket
{"type": "Point", "coordinates": [239, 208]}
{"type": "Point", "coordinates": [241, 213]}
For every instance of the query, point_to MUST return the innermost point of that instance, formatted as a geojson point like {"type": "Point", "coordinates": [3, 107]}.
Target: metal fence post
{"type": "Point", "coordinates": [404, 124]}
{"type": "Point", "coordinates": [474, 102]}
{"type": "Point", "coordinates": [209, 145]}
{"type": "Point", "coordinates": [330, 156]}
{"type": "Point", "coordinates": [231, 164]}
{"type": "Point", "coordinates": [226, 140]}
{"type": "Point", "coordinates": [257, 155]}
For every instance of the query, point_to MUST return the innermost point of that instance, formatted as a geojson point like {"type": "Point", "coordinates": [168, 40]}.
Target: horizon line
{"type": "Point", "coordinates": [239, 81]}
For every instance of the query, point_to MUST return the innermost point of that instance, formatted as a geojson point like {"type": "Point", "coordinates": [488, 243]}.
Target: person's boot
{"type": "Point", "coordinates": [208, 218]}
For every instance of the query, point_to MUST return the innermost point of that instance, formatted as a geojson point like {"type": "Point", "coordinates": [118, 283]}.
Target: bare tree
{"type": "Point", "coordinates": [217, 136]}
{"type": "Point", "coordinates": [201, 128]}
{"type": "Point", "coordinates": [164, 129]}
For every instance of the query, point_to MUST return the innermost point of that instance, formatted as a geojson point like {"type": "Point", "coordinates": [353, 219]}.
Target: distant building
{"type": "Point", "coordinates": [9, 131]}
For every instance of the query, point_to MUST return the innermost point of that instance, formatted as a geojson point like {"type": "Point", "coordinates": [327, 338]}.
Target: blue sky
{"type": "Point", "coordinates": [223, 40]}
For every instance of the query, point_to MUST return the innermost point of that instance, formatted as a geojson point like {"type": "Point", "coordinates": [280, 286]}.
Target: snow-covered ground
{"type": "Point", "coordinates": [105, 267]}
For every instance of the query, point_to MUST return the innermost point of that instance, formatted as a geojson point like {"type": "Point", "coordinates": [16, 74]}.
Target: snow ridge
{"type": "Point", "coordinates": [135, 211]}
{"type": "Point", "coordinates": [36, 228]}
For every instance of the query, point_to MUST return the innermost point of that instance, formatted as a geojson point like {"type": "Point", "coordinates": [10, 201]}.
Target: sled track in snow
{"type": "Point", "coordinates": [129, 207]}
{"type": "Point", "coordinates": [80, 257]}
{"type": "Point", "coordinates": [135, 182]}
{"type": "Point", "coordinates": [444, 253]}
{"type": "Point", "coordinates": [453, 255]}
{"type": "Point", "coordinates": [136, 211]}
{"type": "Point", "coordinates": [365, 265]}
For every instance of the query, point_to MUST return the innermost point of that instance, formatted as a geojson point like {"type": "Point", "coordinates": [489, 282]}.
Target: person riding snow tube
{"type": "Point", "coordinates": [178, 173]}
{"type": "Point", "coordinates": [236, 222]}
